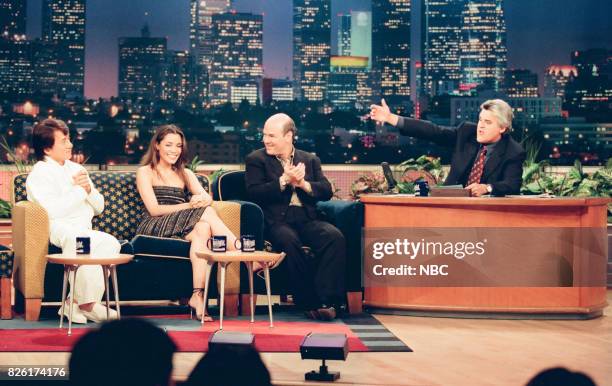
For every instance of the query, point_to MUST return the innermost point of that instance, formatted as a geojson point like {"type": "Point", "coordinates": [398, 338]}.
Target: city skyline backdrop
{"type": "Point", "coordinates": [538, 34]}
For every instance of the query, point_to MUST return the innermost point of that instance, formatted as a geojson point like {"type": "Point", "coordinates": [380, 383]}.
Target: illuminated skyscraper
{"type": "Point", "coordinates": [556, 79]}
{"type": "Point", "coordinates": [12, 18]}
{"type": "Point", "coordinates": [276, 90]}
{"type": "Point", "coordinates": [482, 51]}
{"type": "Point", "coordinates": [184, 80]}
{"type": "Point", "coordinates": [141, 64]}
{"type": "Point", "coordinates": [344, 35]}
{"type": "Point", "coordinates": [441, 36]}
{"type": "Point", "coordinates": [591, 91]}
{"type": "Point", "coordinates": [238, 40]}
{"type": "Point", "coordinates": [311, 47]}
{"type": "Point", "coordinates": [391, 50]}
{"type": "Point", "coordinates": [521, 84]}
{"type": "Point", "coordinates": [15, 67]}
{"type": "Point", "coordinates": [349, 81]}
{"type": "Point", "coordinates": [64, 25]}
{"type": "Point", "coordinates": [361, 35]}
{"type": "Point", "coordinates": [200, 27]}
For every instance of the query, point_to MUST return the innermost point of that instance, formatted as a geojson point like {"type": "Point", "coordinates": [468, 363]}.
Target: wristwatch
{"type": "Point", "coordinates": [489, 188]}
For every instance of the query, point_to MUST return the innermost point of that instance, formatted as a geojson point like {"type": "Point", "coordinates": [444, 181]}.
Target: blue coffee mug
{"type": "Point", "coordinates": [247, 243]}
{"type": "Point", "coordinates": [217, 243]}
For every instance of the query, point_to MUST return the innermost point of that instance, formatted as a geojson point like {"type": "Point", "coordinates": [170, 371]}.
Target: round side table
{"type": "Point", "coordinates": [71, 266]}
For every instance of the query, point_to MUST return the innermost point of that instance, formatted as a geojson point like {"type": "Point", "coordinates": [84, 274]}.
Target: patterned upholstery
{"type": "Point", "coordinates": [6, 262]}
{"type": "Point", "coordinates": [123, 206]}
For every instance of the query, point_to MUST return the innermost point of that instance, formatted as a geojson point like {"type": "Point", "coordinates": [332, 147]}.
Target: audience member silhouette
{"type": "Point", "coordinates": [123, 352]}
{"type": "Point", "coordinates": [230, 365]}
{"type": "Point", "coordinates": [560, 376]}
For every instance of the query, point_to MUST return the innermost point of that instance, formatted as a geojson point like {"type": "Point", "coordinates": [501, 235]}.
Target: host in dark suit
{"type": "Point", "coordinates": [486, 160]}
{"type": "Point", "coordinates": [287, 183]}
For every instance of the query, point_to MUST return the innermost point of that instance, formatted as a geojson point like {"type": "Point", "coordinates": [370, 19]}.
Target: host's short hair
{"type": "Point", "coordinates": [43, 135]}
{"type": "Point", "coordinates": [502, 110]}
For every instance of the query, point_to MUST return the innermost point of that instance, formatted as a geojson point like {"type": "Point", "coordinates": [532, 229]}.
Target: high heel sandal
{"type": "Point", "coordinates": [259, 271]}
{"type": "Point", "coordinates": [207, 318]}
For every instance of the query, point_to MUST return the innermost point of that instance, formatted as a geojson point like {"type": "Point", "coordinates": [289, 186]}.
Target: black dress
{"type": "Point", "coordinates": [176, 224]}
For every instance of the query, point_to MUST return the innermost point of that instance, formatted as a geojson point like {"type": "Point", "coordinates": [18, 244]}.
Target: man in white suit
{"type": "Point", "coordinates": [64, 189]}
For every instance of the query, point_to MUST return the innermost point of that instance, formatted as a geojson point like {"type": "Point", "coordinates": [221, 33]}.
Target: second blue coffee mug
{"type": "Point", "coordinates": [247, 243]}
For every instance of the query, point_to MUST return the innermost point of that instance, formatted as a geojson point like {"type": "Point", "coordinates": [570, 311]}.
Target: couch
{"type": "Point", "coordinates": [160, 270]}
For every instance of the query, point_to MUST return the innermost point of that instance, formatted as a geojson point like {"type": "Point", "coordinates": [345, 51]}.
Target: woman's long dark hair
{"type": "Point", "coordinates": [151, 157]}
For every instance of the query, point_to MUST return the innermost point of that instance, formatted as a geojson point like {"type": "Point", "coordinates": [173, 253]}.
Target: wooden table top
{"type": "Point", "coordinates": [58, 258]}
{"type": "Point", "coordinates": [406, 200]}
{"type": "Point", "coordinates": [231, 256]}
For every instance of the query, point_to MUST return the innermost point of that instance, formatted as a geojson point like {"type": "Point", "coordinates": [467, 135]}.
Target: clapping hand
{"type": "Point", "coordinates": [82, 179]}
{"type": "Point", "coordinates": [295, 174]}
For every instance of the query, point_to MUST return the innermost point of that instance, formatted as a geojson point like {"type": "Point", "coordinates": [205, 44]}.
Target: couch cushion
{"type": "Point", "coordinates": [6, 261]}
{"type": "Point", "coordinates": [161, 246]}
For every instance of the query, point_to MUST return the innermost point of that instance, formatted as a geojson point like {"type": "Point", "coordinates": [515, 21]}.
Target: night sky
{"type": "Point", "coordinates": [540, 32]}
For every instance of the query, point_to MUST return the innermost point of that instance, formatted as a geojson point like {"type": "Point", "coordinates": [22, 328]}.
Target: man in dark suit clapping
{"type": "Point", "coordinates": [486, 160]}
{"type": "Point", "coordinates": [287, 183]}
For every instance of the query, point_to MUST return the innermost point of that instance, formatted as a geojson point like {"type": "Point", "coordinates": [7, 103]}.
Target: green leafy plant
{"type": "Point", "coordinates": [214, 175]}
{"type": "Point", "coordinates": [373, 182]}
{"type": "Point", "coordinates": [20, 164]}
{"type": "Point", "coordinates": [423, 168]}
{"type": "Point", "coordinates": [5, 209]}
{"type": "Point", "coordinates": [195, 163]}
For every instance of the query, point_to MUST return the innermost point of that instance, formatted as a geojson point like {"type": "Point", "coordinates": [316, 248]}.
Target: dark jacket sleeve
{"type": "Point", "coordinates": [255, 177]}
{"type": "Point", "coordinates": [321, 187]}
{"type": "Point", "coordinates": [511, 178]}
{"type": "Point", "coordinates": [442, 135]}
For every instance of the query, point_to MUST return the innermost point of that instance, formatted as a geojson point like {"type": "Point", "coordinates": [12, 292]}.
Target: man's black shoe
{"type": "Point", "coordinates": [326, 313]}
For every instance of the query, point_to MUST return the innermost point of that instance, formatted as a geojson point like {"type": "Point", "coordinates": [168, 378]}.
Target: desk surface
{"type": "Point", "coordinates": [494, 201]}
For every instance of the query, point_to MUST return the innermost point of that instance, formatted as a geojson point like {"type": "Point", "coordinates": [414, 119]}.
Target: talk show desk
{"type": "Point", "coordinates": [388, 211]}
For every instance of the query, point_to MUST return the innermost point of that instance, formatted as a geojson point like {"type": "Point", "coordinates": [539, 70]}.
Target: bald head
{"type": "Point", "coordinates": [278, 134]}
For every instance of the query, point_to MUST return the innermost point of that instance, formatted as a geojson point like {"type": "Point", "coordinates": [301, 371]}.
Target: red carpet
{"type": "Point", "coordinates": [284, 337]}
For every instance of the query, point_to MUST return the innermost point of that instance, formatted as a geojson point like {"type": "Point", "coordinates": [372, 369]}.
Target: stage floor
{"type": "Point", "coordinates": [446, 352]}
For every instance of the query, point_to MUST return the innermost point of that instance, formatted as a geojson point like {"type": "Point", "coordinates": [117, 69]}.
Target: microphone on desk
{"type": "Point", "coordinates": [391, 183]}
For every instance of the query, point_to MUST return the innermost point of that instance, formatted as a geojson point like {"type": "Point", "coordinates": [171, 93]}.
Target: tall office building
{"type": "Point", "coordinates": [349, 82]}
{"type": "Point", "coordinates": [15, 67]}
{"type": "Point", "coordinates": [361, 35]}
{"type": "Point", "coordinates": [238, 40]}
{"type": "Point", "coordinates": [201, 28]}
{"type": "Point", "coordinates": [441, 26]}
{"type": "Point", "coordinates": [184, 80]}
{"type": "Point", "coordinates": [391, 50]}
{"type": "Point", "coordinates": [12, 18]}
{"type": "Point", "coordinates": [521, 83]}
{"type": "Point", "coordinates": [278, 90]}
{"type": "Point", "coordinates": [141, 65]}
{"type": "Point", "coordinates": [311, 47]}
{"type": "Point", "coordinates": [44, 61]}
{"type": "Point", "coordinates": [64, 25]}
{"type": "Point", "coordinates": [556, 78]}
{"type": "Point", "coordinates": [344, 35]}
{"type": "Point", "coordinates": [482, 50]}
{"type": "Point", "coordinates": [591, 90]}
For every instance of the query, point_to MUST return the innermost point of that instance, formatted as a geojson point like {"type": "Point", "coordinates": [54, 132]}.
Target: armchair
{"type": "Point", "coordinates": [347, 216]}
{"type": "Point", "coordinates": [160, 269]}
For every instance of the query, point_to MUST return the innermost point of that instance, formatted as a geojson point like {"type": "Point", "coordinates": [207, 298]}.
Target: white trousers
{"type": "Point", "coordinates": [89, 286]}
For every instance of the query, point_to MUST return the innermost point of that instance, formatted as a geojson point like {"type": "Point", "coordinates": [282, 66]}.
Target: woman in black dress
{"type": "Point", "coordinates": [177, 205]}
